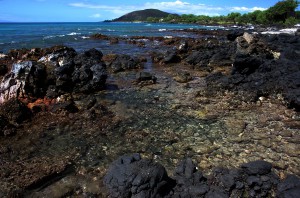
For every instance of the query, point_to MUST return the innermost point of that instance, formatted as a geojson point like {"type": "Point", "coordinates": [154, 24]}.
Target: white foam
{"type": "Point", "coordinates": [85, 37]}
{"type": "Point", "coordinates": [74, 33]}
{"type": "Point", "coordinates": [162, 30]}
{"type": "Point", "coordinates": [2, 55]}
{"type": "Point", "coordinates": [282, 31]}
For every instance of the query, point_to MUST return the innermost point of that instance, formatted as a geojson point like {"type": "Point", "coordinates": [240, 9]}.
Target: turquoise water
{"type": "Point", "coordinates": [31, 35]}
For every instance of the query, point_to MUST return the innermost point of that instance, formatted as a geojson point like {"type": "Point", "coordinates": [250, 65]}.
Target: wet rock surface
{"type": "Point", "coordinates": [219, 103]}
{"type": "Point", "coordinates": [131, 176]}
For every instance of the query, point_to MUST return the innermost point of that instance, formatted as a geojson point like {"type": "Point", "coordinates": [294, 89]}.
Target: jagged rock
{"type": "Point", "coordinates": [124, 62]}
{"type": "Point", "coordinates": [26, 79]}
{"type": "Point", "coordinates": [59, 71]}
{"type": "Point", "coordinates": [246, 64]}
{"type": "Point", "coordinates": [257, 167]}
{"type": "Point", "coordinates": [131, 176]}
{"type": "Point", "coordinates": [221, 58]}
{"type": "Point", "coordinates": [216, 192]}
{"type": "Point", "coordinates": [234, 34]}
{"type": "Point", "coordinates": [3, 69]}
{"type": "Point", "coordinates": [199, 59]}
{"type": "Point", "coordinates": [189, 181]}
{"type": "Point", "coordinates": [126, 178]}
{"type": "Point", "coordinates": [56, 55]}
{"type": "Point", "coordinates": [289, 188]}
{"type": "Point", "coordinates": [90, 72]}
{"type": "Point", "coordinates": [171, 57]}
{"type": "Point", "coordinates": [248, 37]}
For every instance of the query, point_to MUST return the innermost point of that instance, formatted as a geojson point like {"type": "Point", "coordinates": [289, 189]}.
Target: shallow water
{"type": "Point", "coordinates": [166, 121]}
{"type": "Point", "coordinates": [34, 35]}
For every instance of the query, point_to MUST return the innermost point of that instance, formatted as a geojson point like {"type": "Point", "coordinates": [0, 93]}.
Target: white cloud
{"type": "Point", "coordinates": [181, 7]}
{"type": "Point", "coordinates": [91, 6]}
{"type": "Point", "coordinates": [96, 16]}
{"type": "Point", "coordinates": [177, 6]}
{"type": "Point", "coordinates": [245, 9]}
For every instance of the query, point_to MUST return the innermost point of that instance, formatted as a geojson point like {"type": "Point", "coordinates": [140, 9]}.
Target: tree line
{"type": "Point", "coordinates": [282, 13]}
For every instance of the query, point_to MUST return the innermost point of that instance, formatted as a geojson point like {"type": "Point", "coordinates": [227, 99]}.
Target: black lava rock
{"type": "Point", "coordinates": [124, 62]}
{"type": "Point", "coordinates": [234, 34]}
{"type": "Point", "coordinates": [90, 72]}
{"type": "Point", "coordinates": [257, 167]}
{"type": "Point", "coordinates": [131, 176]}
{"type": "Point", "coordinates": [289, 188]}
{"type": "Point", "coordinates": [171, 57]}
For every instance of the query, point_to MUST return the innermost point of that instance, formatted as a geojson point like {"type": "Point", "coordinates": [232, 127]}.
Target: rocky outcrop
{"type": "Point", "coordinates": [263, 66]}
{"type": "Point", "coordinates": [58, 71]}
{"type": "Point", "coordinates": [90, 72]}
{"type": "Point", "coordinates": [131, 176]}
{"type": "Point", "coordinates": [25, 79]}
{"type": "Point", "coordinates": [124, 62]}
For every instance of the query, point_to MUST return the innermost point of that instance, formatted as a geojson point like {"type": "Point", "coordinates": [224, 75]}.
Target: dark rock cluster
{"type": "Point", "coordinates": [259, 65]}
{"type": "Point", "coordinates": [56, 72]}
{"type": "Point", "coordinates": [45, 75]}
{"type": "Point", "coordinates": [131, 176]}
{"type": "Point", "coordinates": [124, 62]}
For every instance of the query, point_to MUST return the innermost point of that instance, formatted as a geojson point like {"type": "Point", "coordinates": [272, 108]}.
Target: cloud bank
{"type": "Point", "coordinates": [178, 7]}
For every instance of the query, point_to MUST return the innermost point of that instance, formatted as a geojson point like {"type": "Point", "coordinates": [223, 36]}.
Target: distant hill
{"type": "Point", "coordinates": [141, 15]}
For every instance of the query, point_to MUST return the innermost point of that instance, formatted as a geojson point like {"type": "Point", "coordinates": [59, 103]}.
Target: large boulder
{"type": "Point", "coordinates": [257, 167]}
{"type": "Point", "coordinates": [90, 72]}
{"type": "Point", "coordinates": [26, 79]}
{"type": "Point", "coordinates": [131, 176]}
{"type": "Point", "coordinates": [59, 70]}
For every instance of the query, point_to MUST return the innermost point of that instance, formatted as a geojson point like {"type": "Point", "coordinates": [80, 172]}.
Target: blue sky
{"type": "Point", "coordinates": [99, 10]}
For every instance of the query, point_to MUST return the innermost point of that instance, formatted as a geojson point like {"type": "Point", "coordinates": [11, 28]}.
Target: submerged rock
{"type": "Point", "coordinates": [145, 77]}
{"type": "Point", "coordinates": [183, 77]}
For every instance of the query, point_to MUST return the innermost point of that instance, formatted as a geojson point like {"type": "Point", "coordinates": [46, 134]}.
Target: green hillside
{"type": "Point", "coordinates": [142, 15]}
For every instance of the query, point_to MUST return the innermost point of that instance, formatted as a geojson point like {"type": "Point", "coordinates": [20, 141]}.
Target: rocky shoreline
{"type": "Point", "coordinates": [224, 99]}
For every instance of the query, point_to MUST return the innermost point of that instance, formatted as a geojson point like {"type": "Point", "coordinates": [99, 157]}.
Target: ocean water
{"type": "Point", "coordinates": [76, 35]}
